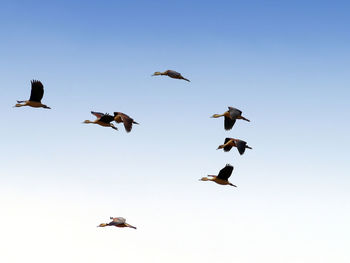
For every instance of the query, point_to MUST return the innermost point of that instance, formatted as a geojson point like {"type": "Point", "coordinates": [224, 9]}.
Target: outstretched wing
{"type": "Point", "coordinates": [228, 147]}
{"type": "Point", "coordinates": [127, 121]}
{"type": "Point", "coordinates": [97, 114]}
{"type": "Point", "coordinates": [225, 172]}
{"type": "Point", "coordinates": [117, 220]}
{"type": "Point", "coordinates": [241, 146]}
{"type": "Point", "coordinates": [37, 91]}
{"type": "Point", "coordinates": [106, 118]}
{"type": "Point", "coordinates": [229, 123]}
{"type": "Point", "coordinates": [173, 74]}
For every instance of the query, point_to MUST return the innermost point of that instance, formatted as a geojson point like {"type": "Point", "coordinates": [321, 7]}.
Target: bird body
{"type": "Point", "coordinates": [171, 73]}
{"type": "Point", "coordinates": [230, 117]}
{"type": "Point", "coordinates": [117, 222]}
{"type": "Point", "coordinates": [36, 95]}
{"type": "Point", "coordinates": [127, 121]}
{"type": "Point", "coordinates": [102, 120]}
{"type": "Point", "coordinates": [222, 177]}
{"type": "Point", "coordinates": [232, 142]}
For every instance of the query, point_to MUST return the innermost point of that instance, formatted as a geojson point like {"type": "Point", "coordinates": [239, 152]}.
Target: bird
{"type": "Point", "coordinates": [36, 95]}
{"type": "Point", "coordinates": [230, 117]}
{"type": "Point", "coordinates": [102, 119]}
{"type": "Point", "coordinates": [122, 117]}
{"type": "Point", "coordinates": [232, 142]}
{"type": "Point", "coordinates": [118, 222]}
{"type": "Point", "coordinates": [222, 177]}
{"type": "Point", "coordinates": [171, 73]}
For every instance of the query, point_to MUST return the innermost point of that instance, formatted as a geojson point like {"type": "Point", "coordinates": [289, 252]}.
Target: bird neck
{"type": "Point", "coordinates": [218, 115]}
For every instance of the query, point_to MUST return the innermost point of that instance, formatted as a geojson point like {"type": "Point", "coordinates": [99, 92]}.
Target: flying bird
{"type": "Point", "coordinates": [231, 142]}
{"type": "Point", "coordinates": [230, 117]}
{"type": "Point", "coordinates": [102, 119]}
{"type": "Point", "coordinates": [171, 73]}
{"type": "Point", "coordinates": [222, 177]}
{"type": "Point", "coordinates": [128, 122]}
{"type": "Point", "coordinates": [36, 95]}
{"type": "Point", "coordinates": [118, 222]}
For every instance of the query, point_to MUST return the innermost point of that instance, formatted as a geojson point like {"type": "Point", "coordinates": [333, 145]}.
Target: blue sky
{"type": "Point", "coordinates": [284, 64]}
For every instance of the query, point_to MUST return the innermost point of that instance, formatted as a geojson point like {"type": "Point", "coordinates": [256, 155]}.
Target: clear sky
{"type": "Point", "coordinates": [285, 64]}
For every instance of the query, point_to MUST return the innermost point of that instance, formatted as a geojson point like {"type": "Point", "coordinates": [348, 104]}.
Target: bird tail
{"type": "Point", "coordinates": [245, 119]}
{"type": "Point", "coordinates": [131, 226]}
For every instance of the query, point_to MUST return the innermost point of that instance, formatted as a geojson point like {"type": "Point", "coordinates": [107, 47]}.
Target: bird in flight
{"type": "Point", "coordinates": [36, 95]}
{"type": "Point", "coordinates": [230, 117]}
{"type": "Point", "coordinates": [128, 122]}
{"type": "Point", "coordinates": [222, 177]}
{"type": "Point", "coordinates": [118, 222]}
{"type": "Point", "coordinates": [170, 73]}
{"type": "Point", "coordinates": [102, 120]}
{"type": "Point", "coordinates": [231, 142]}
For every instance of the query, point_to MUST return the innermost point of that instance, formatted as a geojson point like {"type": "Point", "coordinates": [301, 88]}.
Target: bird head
{"type": "Point", "coordinates": [204, 179]}
{"type": "Point", "coordinates": [102, 225]}
{"type": "Point", "coordinates": [220, 147]}
{"type": "Point", "coordinates": [87, 121]}
{"type": "Point", "coordinates": [157, 73]}
{"type": "Point", "coordinates": [215, 116]}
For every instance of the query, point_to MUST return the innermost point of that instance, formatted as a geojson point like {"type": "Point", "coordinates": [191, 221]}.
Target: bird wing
{"type": "Point", "coordinates": [228, 147]}
{"type": "Point", "coordinates": [127, 121]}
{"type": "Point", "coordinates": [106, 118]}
{"type": "Point", "coordinates": [234, 113]}
{"type": "Point", "coordinates": [37, 91]}
{"type": "Point", "coordinates": [173, 74]}
{"type": "Point", "coordinates": [225, 172]}
{"type": "Point", "coordinates": [241, 146]}
{"type": "Point", "coordinates": [118, 220]}
{"type": "Point", "coordinates": [97, 114]}
{"type": "Point", "coordinates": [228, 124]}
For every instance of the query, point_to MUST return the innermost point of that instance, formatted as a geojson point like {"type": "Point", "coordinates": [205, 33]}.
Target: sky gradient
{"type": "Point", "coordinates": [285, 64]}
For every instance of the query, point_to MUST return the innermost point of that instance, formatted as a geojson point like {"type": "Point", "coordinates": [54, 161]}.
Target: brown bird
{"type": "Point", "coordinates": [102, 120]}
{"type": "Point", "coordinates": [222, 177]}
{"type": "Point", "coordinates": [118, 222]}
{"type": "Point", "coordinates": [230, 117]}
{"type": "Point", "coordinates": [231, 142]}
{"type": "Point", "coordinates": [171, 73]}
{"type": "Point", "coordinates": [121, 117]}
{"type": "Point", "coordinates": [36, 95]}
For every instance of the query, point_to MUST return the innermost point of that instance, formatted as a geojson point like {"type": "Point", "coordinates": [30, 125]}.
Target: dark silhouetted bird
{"type": "Point", "coordinates": [222, 177]}
{"type": "Point", "coordinates": [36, 96]}
{"type": "Point", "coordinates": [170, 73]}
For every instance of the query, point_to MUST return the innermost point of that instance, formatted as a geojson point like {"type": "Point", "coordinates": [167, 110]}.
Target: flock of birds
{"type": "Point", "coordinates": [105, 120]}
